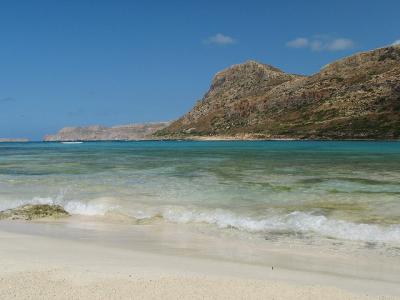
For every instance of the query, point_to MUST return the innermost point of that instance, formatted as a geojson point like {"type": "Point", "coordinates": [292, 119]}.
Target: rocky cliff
{"type": "Point", "coordinates": [357, 97]}
{"type": "Point", "coordinates": [101, 133]}
{"type": "Point", "coordinates": [13, 140]}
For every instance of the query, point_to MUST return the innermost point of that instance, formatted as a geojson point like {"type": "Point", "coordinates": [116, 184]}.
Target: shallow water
{"type": "Point", "coordinates": [339, 190]}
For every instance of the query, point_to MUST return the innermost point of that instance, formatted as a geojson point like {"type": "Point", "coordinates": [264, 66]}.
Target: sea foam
{"type": "Point", "coordinates": [294, 222]}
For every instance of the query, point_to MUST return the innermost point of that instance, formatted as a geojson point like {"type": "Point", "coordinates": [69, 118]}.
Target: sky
{"type": "Point", "coordinates": [80, 62]}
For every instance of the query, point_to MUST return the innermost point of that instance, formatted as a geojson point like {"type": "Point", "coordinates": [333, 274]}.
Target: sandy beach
{"type": "Point", "coordinates": [93, 260]}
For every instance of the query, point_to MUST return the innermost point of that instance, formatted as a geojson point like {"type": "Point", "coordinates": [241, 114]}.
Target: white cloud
{"type": "Point", "coordinates": [298, 43]}
{"type": "Point", "coordinates": [322, 43]}
{"type": "Point", "coordinates": [396, 42]}
{"type": "Point", "coordinates": [339, 44]}
{"type": "Point", "coordinates": [220, 40]}
{"type": "Point", "coordinates": [316, 45]}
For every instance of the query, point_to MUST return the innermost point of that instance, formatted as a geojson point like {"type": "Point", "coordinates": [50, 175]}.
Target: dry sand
{"type": "Point", "coordinates": [62, 262]}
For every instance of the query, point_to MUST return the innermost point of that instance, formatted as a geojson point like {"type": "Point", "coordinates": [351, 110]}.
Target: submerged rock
{"type": "Point", "coordinates": [32, 212]}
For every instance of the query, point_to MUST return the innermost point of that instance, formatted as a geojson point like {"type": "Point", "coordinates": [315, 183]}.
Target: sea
{"type": "Point", "coordinates": [311, 190]}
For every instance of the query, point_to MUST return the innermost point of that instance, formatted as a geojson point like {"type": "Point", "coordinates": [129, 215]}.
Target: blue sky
{"type": "Point", "coordinates": [66, 63]}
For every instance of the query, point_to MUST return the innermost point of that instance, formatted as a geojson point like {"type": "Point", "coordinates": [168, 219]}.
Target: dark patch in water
{"type": "Point", "coordinates": [325, 207]}
{"type": "Point", "coordinates": [364, 181]}
{"type": "Point", "coordinates": [278, 234]}
{"type": "Point", "coordinates": [370, 245]}
{"type": "Point", "coordinates": [337, 243]}
{"type": "Point", "coordinates": [312, 180]}
{"type": "Point", "coordinates": [336, 191]}
{"type": "Point", "coordinates": [282, 188]}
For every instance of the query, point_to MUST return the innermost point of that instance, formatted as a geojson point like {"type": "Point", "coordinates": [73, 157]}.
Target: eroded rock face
{"type": "Point", "coordinates": [357, 97]}
{"type": "Point", "coordinates": [13, 140]}
{"type": "Point", "coordinates": [101, 133]}
{"type": "Point", "coordinates": [32, 212]}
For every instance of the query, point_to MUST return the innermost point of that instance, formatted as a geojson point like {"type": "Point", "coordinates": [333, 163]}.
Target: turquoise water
{"type": "Point", "coordinates": [339, 190]}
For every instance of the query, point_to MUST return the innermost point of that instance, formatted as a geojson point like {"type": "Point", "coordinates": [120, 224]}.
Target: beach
{"type": "Point", "coordinates": [61, 260]}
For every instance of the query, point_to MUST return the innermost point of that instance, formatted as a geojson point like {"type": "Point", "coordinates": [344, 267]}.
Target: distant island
{"type": "Point", "coordinates": [357, 97]}
{"type": "Point", "coordinates": [102, 133]}
{"type": "Point", "coordinates": [13, 140]}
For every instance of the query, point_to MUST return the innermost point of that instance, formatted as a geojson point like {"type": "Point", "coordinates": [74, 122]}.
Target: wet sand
{"type": "Point", "coordinates": [95, 260]}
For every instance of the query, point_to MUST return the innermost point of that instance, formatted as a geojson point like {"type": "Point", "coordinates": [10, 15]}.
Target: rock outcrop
{"type": "Point", "coordinates": [32, 212]}
{"type": "Point", "coordinates": [101, 133]}
{"type": "Point", "coordinates": [357, 97]}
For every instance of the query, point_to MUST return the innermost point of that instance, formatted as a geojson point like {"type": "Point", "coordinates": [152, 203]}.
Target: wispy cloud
{"type": "Point", "coordinates": [321, 43]}
{"type": "Point", "coordinates": [220, 40]}
{"type": "Point", "coordinates": [340, 44]}
{"type": "Point", "coordinates": [298, 43]}
{"type": "Point", "coordinates": [396, 42]}
{"type": "Point", "coordinates": [7, 99]}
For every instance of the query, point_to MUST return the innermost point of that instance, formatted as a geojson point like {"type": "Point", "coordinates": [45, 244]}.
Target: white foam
{"type": "Point", "coordinates": [297, 222]}
{"type": "Point", "coordinates": [36, 200]}
{"type": "Point", "coordinates": [304, 222]}
{"type": "Point", "coordinates": [87, 209]}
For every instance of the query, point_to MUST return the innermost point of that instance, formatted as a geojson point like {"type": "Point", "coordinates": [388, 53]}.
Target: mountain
{"type": "Point", "coordinates": [13, 140]}
{"type": "Point", "coordinates": [357, 97]}
{"type": "Point", "coordinates": [101, 133]}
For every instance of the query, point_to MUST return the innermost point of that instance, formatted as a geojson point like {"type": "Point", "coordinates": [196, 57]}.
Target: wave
{"type": "Point", "coordinates": [294, 222]}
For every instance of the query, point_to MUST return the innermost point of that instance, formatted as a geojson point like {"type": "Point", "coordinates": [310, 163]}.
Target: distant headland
{"type": "Point", "coordinates": [127, 132]}
{"type": "Point", "coordinates": [13, 140]}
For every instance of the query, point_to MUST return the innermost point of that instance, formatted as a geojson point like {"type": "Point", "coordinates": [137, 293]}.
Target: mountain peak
{"type": "Point", "coordinates": [246, 79]}
{"type": "Point", "coordinates": [357, 97]}
{"type": "Point", "coordinates": [247, 68]}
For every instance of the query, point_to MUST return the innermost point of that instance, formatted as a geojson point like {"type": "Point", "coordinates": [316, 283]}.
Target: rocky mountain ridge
{"type": "Point", "coordinates": [357, 97]}
{"type": "Point", "coordinates": [102, 133]}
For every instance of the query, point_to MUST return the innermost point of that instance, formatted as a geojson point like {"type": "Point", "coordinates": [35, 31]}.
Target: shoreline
{"type": "Point", "coordinates": [209, 138]}
{"type": "Point", "coordinates": [222, 139]}
{"type": "Point", "coordinates": [172, 261]}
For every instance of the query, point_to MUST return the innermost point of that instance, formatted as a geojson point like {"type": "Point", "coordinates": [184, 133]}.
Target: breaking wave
{"type": "Point", "coordinates": [295, 222]}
